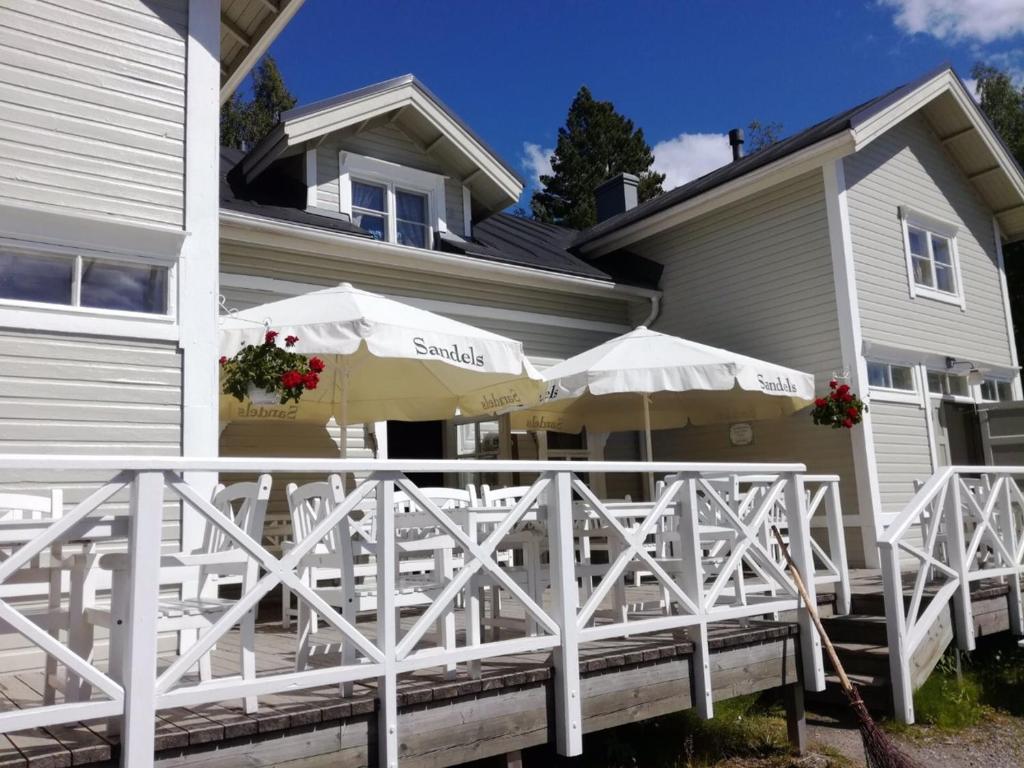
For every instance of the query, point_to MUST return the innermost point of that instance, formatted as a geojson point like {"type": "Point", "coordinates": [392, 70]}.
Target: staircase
{"type": "Point", "coordinates": [861, 641]}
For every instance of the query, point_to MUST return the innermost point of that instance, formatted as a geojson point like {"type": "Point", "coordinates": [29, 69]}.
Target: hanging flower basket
{"type": "Point", "coordinates": [840, 409]}
{"type": "Point", "coordinates": [265, 373]}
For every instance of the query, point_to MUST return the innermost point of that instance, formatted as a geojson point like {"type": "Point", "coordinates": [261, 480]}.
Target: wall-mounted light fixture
{"type": "Point", "coordinates": [974, 374]}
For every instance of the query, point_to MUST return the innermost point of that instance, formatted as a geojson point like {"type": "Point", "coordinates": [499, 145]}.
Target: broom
{"type": "Point", "coordinates": [879, 751]}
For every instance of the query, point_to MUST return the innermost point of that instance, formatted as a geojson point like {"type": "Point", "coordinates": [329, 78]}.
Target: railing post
{"type": "Point", "coordinates": [387, 619]}
{"type": "Point", "coordinates": [691, 580]}
{"type": "Point", "coordinates": [140, 646]}
{"type": "Point", "coordinates": [1010, 539]}
{"type": "Point", "coordinates": [962, 613]}
{"type": "Point", "coordinates": [803, 555]}
{"type": "Point", "coordinates": [896, 632]}
{"type": "Point", "coordinates": [568, 711]}
{"type": "Point", "coordinates": [837, 546]}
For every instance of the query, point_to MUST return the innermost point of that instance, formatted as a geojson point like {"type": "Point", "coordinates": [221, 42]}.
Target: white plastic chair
{"type": "Point", "coordinates": [218, 556]}
{"type": "Point", "coordinates": [42, 575]}
{"type": "Point", "coordinates": [347, 555]}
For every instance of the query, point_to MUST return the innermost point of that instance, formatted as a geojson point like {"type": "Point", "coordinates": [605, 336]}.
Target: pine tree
{"type": "Point", "coordinates": [243, 123]}
{"type": "Point", "coordinates": [1003, 104]}
{"type": "Point", "coordinates": [595, 144]}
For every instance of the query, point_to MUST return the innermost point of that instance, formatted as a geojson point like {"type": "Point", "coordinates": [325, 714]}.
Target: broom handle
{"type": "Point", "coordinates": [812, 609]}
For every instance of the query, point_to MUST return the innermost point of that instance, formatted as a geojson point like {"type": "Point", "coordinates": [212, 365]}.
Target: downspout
{"type": "Point", "coordinates": [655, 300]}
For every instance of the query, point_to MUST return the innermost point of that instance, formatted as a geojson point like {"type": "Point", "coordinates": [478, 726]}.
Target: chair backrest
{"type": "Point", "coordinates": [26, 506]}
{"type": "Point", "coordinates": [500, 497]}
{"type": "Point", "coordinates": [246, 505]}
{"type": "Point", "coordinates": [310, 503]}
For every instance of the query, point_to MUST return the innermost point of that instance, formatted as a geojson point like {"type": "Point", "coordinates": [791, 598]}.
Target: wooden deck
{"type": "Point", "coordinates": [443, 720]}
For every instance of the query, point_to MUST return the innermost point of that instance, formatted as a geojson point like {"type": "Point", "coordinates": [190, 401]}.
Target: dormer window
{"type": "Point", "coordinates": [394, 203]}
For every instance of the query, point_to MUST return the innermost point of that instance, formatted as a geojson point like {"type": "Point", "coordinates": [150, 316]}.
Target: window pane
{"type": "Point", "coordinates": [129, 287]}
{"type": "Point", "coordinates": [411, 207]}
{"type": "Point", "coordinates": [1004, 390]}
{"type": "Point", "coordinates": [412, 234]}
{"type": "Point", "coordinates": [368, 196]}
{"type": "Point", "coordinates": [878, 375]}
{"type": "Point", "coordinates": [940, 250]}
{"type": "Point", "coordinates": [375, 225]}
{"type": "Point", "coordinates": [935, 383]}
{"type": "Point", "coordinates": [944, 279]}
{"type": "Point", "coordinates": [917, 241]}
{"type": "Point", "coordinates": [988, 389]}
{"type": "Point", "coordinates": [902, 378]}
{"type": "Point", "coordinates": [957, 385]}
{"type": "Point", "coordinates": [29, 277]}
{"type": "Point", "coordinates": [923, 272]}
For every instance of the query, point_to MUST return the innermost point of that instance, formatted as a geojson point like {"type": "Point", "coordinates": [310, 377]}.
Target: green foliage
{"type": "Point", "coordinates": [595, 144]}
{"type": "Point", "coordinates": [268, 367]}
{"type": "Point", "coordinates": [761, 135]}
{"type": "Point", "coordinates": [946, 702]}
{"type": "Point", "coordinates": [243, 123]}
{"type": "Point", "coordinates": [840, 408]}
{"type": "Point", "coordinates": [1003, 104]}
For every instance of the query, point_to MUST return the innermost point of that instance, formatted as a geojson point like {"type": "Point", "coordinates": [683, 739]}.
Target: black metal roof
{"type": "Point", "coordinates": [734, 170]}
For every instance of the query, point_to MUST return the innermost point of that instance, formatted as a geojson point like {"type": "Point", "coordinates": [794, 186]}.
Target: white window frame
{"type": "Point", "coordinates": [353, 167]}
{"type": "Point", "coordinates": [890, 395]}
{"type": "Point", "coordinates": [968, 398]}
{"type": "Point", "coordinates": [71, 318]}
{"type": "Point", "coordinates": [998, 380]}
{"type": "Point", "coordinates": [933, 226]}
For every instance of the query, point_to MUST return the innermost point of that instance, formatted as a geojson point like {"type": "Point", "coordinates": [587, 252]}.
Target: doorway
{"type": "Point", "coordinates": [418, 440]}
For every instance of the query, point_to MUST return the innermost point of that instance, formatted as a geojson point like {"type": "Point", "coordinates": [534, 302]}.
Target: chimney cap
{"type": "Point", "coordinates": [628, 179]}
{"type": "Point", "coordinates": [736, 136]}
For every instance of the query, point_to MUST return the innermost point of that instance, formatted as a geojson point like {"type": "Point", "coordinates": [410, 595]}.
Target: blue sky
{"type": "Point", "coordinates": [684, 72]}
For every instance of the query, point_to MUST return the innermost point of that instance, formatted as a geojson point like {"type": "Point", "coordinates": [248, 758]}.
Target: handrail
{"type": "Point", "coordinates": [899, 525]}
{"type": "Point", "coordinates": [696, 592]}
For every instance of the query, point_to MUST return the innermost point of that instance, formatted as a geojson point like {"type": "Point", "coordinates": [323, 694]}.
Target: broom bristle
{"type": "Point", "coordinates": [879, 750]}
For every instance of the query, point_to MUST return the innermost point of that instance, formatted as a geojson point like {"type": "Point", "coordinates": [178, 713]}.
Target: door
{"type": "Point", "coordinates": [418, 440]}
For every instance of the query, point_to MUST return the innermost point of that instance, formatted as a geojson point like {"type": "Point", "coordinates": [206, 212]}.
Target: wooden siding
{"type": "Point", "coordinates": [755, 277]}
{"type": "Point", "coordinates": [901, 451]}
{"type": "Point", "coordinates": [389, 143]}
{"type": "Point", "coordinates": [907, 166]}
{"type": "Point", "coordinates": [94, 107]}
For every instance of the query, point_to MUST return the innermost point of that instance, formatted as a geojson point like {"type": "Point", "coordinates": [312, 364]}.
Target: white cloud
{"type": "Point", "coordinates": [959, 20]}
{"type": "Point", "coordinates": [537, 162]}
{"type": "Point", "coordinates": [690, 155]}
{"type": "Point", "coordinates": [972, 87]}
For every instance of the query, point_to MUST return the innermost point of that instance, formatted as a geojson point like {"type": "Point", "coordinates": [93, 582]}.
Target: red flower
{"type": "Point", "coordinates": [821, 402]}
{"type": "Point", "coordinates": [843, 389]}
{"type": "Point", "coordinates": [846, 397]}
{"type": "Point", "coordinates": [311, 380]}
{"type": "Point", "coordinates": [316, 365]}
{"type": "Point", "coordinates": [848, 423]}
{"type": "Point", "coordinates": [853, 412]}
{"type": "Point", "coordinates": [835, 395]}
{"type": "Point", "coordinates": [269, 338]}
{"type": "Point", "coordinates": [833, 384]}
{"type": "Point", "coordinates": [290, 341]}
{"type": "Point", "coordinates": [223, 359]}
{"type": "Point", "coordinates": [291, 379]}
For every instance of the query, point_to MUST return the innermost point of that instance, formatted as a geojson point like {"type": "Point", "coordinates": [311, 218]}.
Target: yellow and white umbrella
{"type": "Point", "coordinates": [648, 380]}
{"type": "Point", "coordinates": [384, 360]}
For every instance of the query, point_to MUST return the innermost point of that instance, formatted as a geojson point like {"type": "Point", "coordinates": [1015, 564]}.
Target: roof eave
{"type": "Point", "coordinates": [234, 73]}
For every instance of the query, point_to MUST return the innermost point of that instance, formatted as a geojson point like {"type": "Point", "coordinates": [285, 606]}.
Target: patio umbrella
{"type": "Point", "coordinates": [384, 360]}
{"type": "Point", "coordinates": [648, 380]}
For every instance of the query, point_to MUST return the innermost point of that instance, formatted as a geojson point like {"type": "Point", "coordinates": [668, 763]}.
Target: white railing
{"type": "Point", "coordinates": [704, 579]}
{"type": "Point", "coordinates": [964, 525]}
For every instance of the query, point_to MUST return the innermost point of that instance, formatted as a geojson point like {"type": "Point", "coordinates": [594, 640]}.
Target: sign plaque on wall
{"type": "Point", "coordinates": [741, 434]}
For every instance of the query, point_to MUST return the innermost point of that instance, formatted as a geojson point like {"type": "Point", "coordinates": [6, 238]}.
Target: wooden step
{"type": "Point", "coordinates": [875, 691]}
{"type": "Point", "coordinates": [856, 628]}
{"type": "Point", "coordinates": [862, 659]}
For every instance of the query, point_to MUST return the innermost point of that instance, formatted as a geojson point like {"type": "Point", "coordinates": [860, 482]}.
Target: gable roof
{"type": "Point", "coordinates": [429, 123]}
{"type": "Point", "coordinates": [952, 112]}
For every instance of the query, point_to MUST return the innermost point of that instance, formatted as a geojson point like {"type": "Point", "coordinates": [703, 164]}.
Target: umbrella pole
{"type": "Point", "coordinates": [647, 440]}
{"type": "Point", "coordinates": [343, 412]}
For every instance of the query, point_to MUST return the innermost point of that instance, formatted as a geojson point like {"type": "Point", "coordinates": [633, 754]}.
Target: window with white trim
{"type": "Point", "coordinates": [995, 390]}
{"type": "Point", "coordinates": [394, 203]}
{"type": "Point", "coordinates": [942, 384]}
{"type": "Point", "coordinates": [891, 377]}
{"type": "Point", "coordinates": [76, 280]}
{"type": "Point", "coordinates": [933, 264]}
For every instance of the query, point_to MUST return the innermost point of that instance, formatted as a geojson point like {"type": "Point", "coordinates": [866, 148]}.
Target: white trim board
{"type": "Point", "coordinates": [1007, 314]}
{"type": "Point", "coordinates": [290, 288]}
{"type": "Point", "coordinates": [862, 438]}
